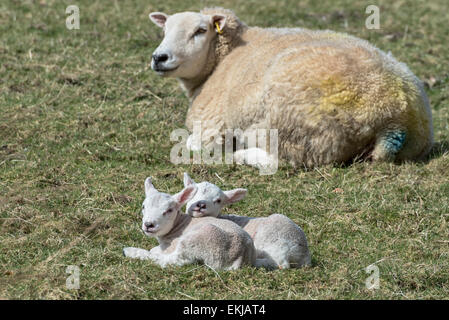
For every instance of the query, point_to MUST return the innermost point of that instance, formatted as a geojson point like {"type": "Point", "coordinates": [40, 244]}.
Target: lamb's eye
{"type": "Point", "coordinates": [199, 31]}
{"type": "Point", "coordinates": [218, 201]}
{"type": "Point", "coordinates": [168, 211]}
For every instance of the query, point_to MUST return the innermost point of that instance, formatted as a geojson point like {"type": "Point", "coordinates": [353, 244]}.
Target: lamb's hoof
{"type": "Point", "coordinates": [128, 251]}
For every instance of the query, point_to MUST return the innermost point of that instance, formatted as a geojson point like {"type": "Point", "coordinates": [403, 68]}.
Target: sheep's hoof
{"type": "Point", "coordinates": [128, 251]}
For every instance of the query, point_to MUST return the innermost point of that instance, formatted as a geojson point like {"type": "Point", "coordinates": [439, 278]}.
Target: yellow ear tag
{"type": "Point", "coordinates": [218, 28]}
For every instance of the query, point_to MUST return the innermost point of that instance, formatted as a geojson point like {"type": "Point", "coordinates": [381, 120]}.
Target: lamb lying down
{"type": "Point", "coordinates": [218, 243]}
{"type": "Point", "coordinates": [279, 242]}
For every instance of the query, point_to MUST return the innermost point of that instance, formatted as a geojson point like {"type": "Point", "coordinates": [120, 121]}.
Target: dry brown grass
{"type": "Point", "coordinates": [84, 121]}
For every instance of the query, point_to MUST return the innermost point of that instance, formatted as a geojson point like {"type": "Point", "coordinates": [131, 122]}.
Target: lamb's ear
{"type": "Point", "coordinates": [185, 195]}
{"type": "Point", "coordinates": [220, 20]}
{"type": "Point", "coordinates": [187, 180]}
{"type": "Point", "coordinates": [158, 18]}
{"type": "Point", "coordinates": [149, 186]}
{"type": "Point", "coordinates": [235, 195]}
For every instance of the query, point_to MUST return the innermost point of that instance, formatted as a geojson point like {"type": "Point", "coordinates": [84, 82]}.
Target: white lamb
{"type": "Point", "coordinates": [279, 242]}
{"type": "Point", "coordinates": [220, 244]}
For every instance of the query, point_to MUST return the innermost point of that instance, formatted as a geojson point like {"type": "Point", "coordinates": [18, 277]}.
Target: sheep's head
{"type": "Point", "coordinates": [209, 199]}
{"type": "Point", "coordinates": [160, 210]}
{"type": "Point", "coordinates": [190, 41]}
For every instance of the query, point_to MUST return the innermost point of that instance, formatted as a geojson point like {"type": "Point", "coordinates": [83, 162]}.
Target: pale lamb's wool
{"type": "Point", "coordinates": [219, 244]}
{"type": "Point", "coordinates": [279, 242]}
{"type": "Point", "coordinates": [332, 96]}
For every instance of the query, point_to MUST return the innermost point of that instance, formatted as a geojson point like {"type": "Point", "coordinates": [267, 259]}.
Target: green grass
{"type": "Point", "coordinates": [83, 121]}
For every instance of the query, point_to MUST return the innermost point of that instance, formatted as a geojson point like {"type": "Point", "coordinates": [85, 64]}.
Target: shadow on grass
{"type": "Point", "coordinates": [438, 149]}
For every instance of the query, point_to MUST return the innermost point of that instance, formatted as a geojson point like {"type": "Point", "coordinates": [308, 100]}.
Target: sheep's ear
{"type": "Point", "coordinates": [158, 18]}
{"type": "Point", "coordinates": [235, 195]}
{"type": "Point", "coordinates": [187, 180]}
{"type": "Point", "coordinates": [149, 186]}
{"type": "Point", "coordinates": [185, 195]}
{"type": "Point", "coordinates": [220, 20]}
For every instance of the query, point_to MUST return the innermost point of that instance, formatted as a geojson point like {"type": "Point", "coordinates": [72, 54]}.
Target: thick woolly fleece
{"type": "Point", "coordinates": [279, 242]}
{"type": "Point", "coordinates": [332, 97]}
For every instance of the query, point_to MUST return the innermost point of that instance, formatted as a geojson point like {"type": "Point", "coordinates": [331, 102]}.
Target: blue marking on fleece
{"type": "Point", "coordinates": [394, 141]}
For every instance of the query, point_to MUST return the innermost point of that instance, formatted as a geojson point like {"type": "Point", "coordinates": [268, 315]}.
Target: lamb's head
{"type": "Point", "coordinates": [209, 199]}
{"type": "Point", "coordinates": [189, 44]}
{"type": "Point", "coordinates": [160, 210]}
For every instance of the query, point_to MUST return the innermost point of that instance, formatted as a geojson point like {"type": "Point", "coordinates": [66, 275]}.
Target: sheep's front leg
{"type": "Point", "coordinates": [258, 158]}
{"type": "Point", "coordinates": [136, 253]}
{"type": "Point", "coordinates": [193, 144]}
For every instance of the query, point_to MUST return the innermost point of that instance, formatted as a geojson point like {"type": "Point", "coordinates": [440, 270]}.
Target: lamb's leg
{"type": "Point", "coordinates": [136, 253]}
{"type": "Point", "coordinates": [165, 259]}
{"type": "Point", "coordinates": [388, 145]}
{"type": "Point", "coordinates": [176, 258]}
{"type": "Point", "coordinates": [156, 255]}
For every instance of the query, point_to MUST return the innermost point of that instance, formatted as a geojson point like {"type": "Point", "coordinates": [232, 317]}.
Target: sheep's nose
{"type": "Point", "coordinates": [201, 204]}
{"type": "Point", "coordinates": [148, 225]}
{"type": "Point", "coordinates": [157, 58]}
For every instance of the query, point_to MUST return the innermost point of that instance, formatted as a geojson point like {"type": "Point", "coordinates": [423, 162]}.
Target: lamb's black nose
{"type": "Point", "coordinates": [148, 225]}
{"type": "Point", "coordinates": [157, 58]}
{"type": "Point", "coordinates": [201, 204]}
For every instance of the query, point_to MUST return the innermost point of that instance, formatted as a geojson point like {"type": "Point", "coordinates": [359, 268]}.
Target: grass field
{"type": "Point", "coordinates": [83, 121]}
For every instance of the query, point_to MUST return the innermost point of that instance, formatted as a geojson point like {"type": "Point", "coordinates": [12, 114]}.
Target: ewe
{"type": "Point", "coordinates": [217, 243]}
{"type": "Point", "coordinates": [332, 97]}
{"type": "Point", "coordinates": [279, 242]}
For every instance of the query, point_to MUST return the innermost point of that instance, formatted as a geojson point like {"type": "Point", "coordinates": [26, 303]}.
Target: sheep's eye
{"type": "Point", "coordinates": [199, 31]}
{"type": "Point", "coordinates": [218, 201]}
{"type": "Point", "coordinates": [168, 211]}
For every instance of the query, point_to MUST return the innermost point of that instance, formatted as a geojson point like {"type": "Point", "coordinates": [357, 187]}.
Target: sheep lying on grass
{"type": "Point", "coordinates": [279, 242]}
{"type": "Point", "coordinates": [220, 244]}
{"type": "Point", "coordinates": [332, 97]}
